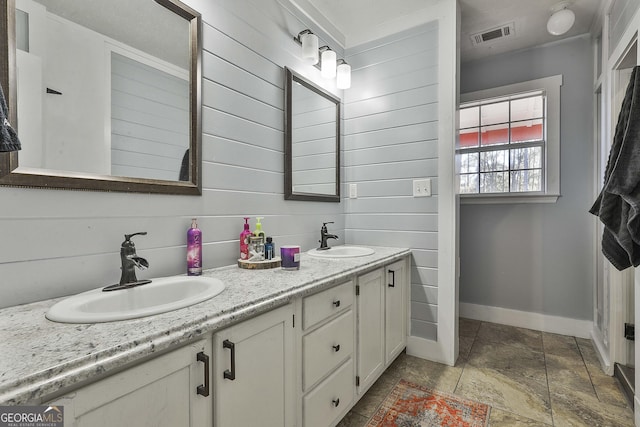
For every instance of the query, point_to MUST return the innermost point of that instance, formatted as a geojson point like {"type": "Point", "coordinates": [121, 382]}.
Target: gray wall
{"type": "Point", "coordinates": [56, 243]}
{"type": "Point", "coordinates": [390, 127]}
{"type": "Point", "coordinates": [537, 257]}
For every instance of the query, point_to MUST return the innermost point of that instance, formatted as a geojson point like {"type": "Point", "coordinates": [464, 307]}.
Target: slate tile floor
{"type": "Point", "coordinates": [529, 378]}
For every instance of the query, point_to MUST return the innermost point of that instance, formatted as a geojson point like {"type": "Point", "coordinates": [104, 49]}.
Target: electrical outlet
{"type": "Point", "coordinates": [422, 187]}
{"type": "Point", "coordinates": [353, 191]}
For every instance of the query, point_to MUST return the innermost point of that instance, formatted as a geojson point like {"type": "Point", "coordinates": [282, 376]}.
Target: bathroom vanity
{"type": "Point", "coordinates": [276, 348]}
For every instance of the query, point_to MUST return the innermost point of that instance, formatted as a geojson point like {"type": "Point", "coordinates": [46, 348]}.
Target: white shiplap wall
{"type": "Point", "coordinates": [55, 243]}
{"type": "Point", "coordinates": [391, 138]}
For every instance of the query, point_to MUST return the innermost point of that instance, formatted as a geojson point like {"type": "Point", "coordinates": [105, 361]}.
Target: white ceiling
{"type": "Point", "coordinates": [145, 25]}
{"type": "Point", "coordinates": [360, 21]}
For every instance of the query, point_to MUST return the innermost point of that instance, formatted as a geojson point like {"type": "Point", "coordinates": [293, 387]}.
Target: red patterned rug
{"type": "Point", "coordinates": [412, 405]}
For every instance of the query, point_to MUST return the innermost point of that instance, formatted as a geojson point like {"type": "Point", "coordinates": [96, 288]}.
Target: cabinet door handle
{"type": "Point", "coordinates": [393, 279]}
{"type": "Point", "coordinates": [203, 390]}
{"type": "Point", "coordinates": [230, 374]}
{"type": "Point", "coordinates": [337, 303]}
{"type": "Point", "coordinates": [336, 402]}
{"type": "Point", "coordinates": [336, 348]}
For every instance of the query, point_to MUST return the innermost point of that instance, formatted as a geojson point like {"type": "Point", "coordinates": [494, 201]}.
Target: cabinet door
{"type": "Point", "coordinates": [254, 375]}
{"type": "Point", "coordinates": [160, 392]}
{"type": "Point", "coordinates": [370, 302]}
{"type": "Point", "coordinates": [396, 288]}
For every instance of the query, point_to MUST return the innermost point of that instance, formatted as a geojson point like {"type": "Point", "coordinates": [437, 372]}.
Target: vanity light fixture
{"type": "Point", "coordinates": [561, 20]}
{"type": "Point", "coordinates": [309, 42]}
{"type": "Point", "coordinates": [327, 63]}
{"type": "Point", "coordinates": [324, 58]}
{"type": "Point", "coordinates": [343, 80]}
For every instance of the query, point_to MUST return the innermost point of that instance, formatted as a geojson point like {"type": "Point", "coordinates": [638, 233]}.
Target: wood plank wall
{"type": "Point", "coordinates": [391, 125]}
{"type": "Point", "coordinates": [55, 243]}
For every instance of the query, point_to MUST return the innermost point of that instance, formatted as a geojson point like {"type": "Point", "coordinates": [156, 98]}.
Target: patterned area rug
{"type": "Point", "coordinates": [411, 405]}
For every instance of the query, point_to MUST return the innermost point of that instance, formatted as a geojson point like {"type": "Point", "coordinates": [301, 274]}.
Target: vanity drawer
{"type": "Point", "coordinates": [318, 307]}
{"type": "Point", "coordinates": [324, 348]}
{"type": "Point", "coordinates": [331, 399]}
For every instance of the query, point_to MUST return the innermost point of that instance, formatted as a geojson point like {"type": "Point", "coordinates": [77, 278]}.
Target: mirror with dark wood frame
{"type": "Point", "coordinates": [312, 141]}
{"type": "Point", "coordinates": [138, 76]}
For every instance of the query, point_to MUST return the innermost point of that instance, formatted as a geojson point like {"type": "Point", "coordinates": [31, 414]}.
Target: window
{"type": "Point", "coordinates": [508, 145]}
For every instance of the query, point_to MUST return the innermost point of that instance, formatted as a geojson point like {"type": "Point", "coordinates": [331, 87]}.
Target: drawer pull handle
{"type": "Point", "coordinates": [337, 303]}
{"type": "Point", "coordinates": [335, 402]}
{"type": "Point", "coordinates": [230, 374]}
{"type": "Point", "coordinates": [203, 390]}
{"type": "Point", "coordinates": [336, 348]}
{"type": "Point", "coordinates": [393, 279]}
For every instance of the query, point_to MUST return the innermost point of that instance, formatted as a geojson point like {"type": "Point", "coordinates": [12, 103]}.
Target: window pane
{"type": "Point", "coordinates": [527, 108]}
{"type": "Point", "coordinates": [469, 183]}
{"type": "Point", "coordinates": [495, 113]}
{"type": "Point", "coordinates": [526, 158]}
{"type": "Point", "coordinates": [491, 161]}
{"type": "Point", "coordinates": [526, 180]}
{"type": "Point", "coordinates": [469, 117]}
{"type": "Point", "coordinates": [528, 130]}
{"type": "Point", "coordinates": [497, 134]}
{"type": "Point", "coordinates": [469, 138]}
{"type": "Point", "coordinates": [469, 162]}
{"type": "Point", "coordinates": [494, 182]}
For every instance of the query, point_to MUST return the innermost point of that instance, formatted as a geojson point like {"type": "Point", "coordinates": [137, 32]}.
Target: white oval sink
{"type": "Point", "coordinates": [341, 252]}
{"type": "Point", "coordinates": [161, 295]}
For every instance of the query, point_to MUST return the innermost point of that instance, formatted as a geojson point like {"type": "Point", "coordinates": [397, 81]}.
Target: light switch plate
{"type": "Point", "coordinates": [353, 191]}
{"type": "Point", "coordinates": [422, 187]}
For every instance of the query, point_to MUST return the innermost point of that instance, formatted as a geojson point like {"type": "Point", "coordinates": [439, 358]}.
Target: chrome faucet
{"type": "Point", "coordinates": [130, 261]}
{"type": "Point", "coordinates": [324, 236]}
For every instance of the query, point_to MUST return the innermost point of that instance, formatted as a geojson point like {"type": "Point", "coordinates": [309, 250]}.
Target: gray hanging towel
{"type": "Point", "coordinates": [8, 137]}
{"type": "Point", "coordinates": [618, 204]}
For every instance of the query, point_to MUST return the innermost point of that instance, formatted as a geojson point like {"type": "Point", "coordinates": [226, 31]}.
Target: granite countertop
{"type": "Point", "coordinates": [39, 357]}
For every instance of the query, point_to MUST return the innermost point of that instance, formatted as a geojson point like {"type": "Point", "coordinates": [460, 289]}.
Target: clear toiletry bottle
{"type": "Point", "coordinates": [269, 248]}
{"type": "Point", "coordinates": [194, 250]}
{"type": "Point", "coordinates": [244, 240]}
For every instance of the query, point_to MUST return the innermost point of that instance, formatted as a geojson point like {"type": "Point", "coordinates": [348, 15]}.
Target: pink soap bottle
{"type": "Point", "coordinates": [194, 250]}
{"type": "Point", "coordinates": [244, 240]}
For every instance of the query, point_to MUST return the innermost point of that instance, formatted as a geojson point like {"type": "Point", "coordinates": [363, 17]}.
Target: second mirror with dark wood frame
{"type": "Point", "coordinates": [312, 141]}
{"type": "Point", "coordinates": [175, 167]}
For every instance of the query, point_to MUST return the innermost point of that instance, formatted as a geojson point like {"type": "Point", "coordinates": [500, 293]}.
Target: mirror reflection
{"type": "Point", "coordinates": [96, 93]}
{"type": "Point", "coordinates": [108, 91]}
{"type": "Point", "coordinates": [312, 141]}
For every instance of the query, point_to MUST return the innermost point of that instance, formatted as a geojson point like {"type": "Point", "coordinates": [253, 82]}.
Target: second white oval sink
{"type": "Point", "coordinates": [341, 252]}
{"type": "Point", "coordinates": [160, 296]}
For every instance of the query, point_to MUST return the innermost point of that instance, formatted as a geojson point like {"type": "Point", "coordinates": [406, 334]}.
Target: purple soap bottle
{"type": "Point", "coordinates": [194, 250]}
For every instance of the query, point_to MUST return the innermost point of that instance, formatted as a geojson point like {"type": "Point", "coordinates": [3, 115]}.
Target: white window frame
{"type": "Point", "coordinates": [551, 87]}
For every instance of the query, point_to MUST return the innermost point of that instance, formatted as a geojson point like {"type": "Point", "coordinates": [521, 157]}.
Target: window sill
{"type": "Point", "coordinates": [494, 199]}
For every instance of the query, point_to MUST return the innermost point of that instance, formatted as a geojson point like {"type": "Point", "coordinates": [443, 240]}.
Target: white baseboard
{"type": "Point", "coordinates": [525, 319]}
{"type": "Point", "coordinates": [601, 352]}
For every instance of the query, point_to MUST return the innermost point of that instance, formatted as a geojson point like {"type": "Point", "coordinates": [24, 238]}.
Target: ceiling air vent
{"type": "Point", "coordinates": [498, 33]}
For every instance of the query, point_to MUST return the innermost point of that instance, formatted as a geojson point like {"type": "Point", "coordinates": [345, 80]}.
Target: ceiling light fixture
{"type": "Point", "coordinates": [561, 20]}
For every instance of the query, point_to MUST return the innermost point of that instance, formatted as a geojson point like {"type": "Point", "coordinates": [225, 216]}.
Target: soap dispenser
{"type": "Point", "coordinates": [258, 231]}
{"type": "Point", "coordinates": [244, 240]}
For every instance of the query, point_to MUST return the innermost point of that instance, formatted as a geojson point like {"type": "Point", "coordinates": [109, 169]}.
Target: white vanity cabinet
{"type": "Point", "coordinates": [381, 300]}
{"type": "Point", "coordinates": [169, 390]}
{"type": "Point", "coordinates": [254, 371]}
{"type": "Point", "coordinates": [327, 372]}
